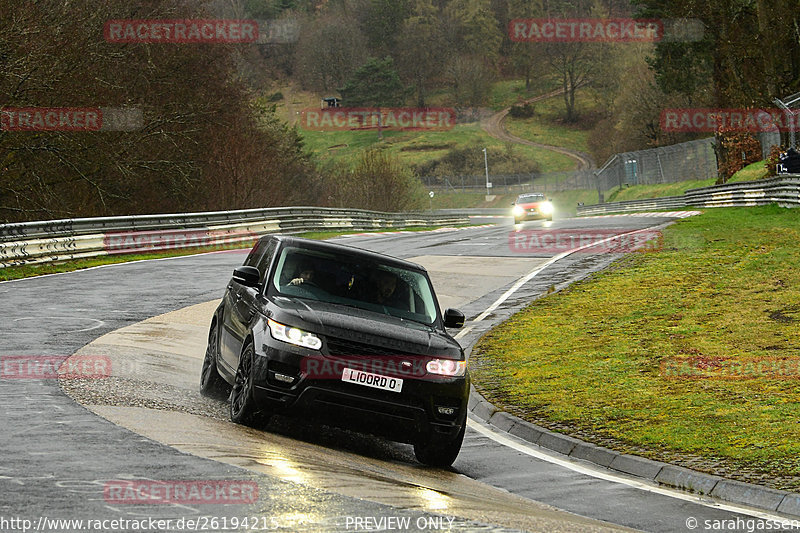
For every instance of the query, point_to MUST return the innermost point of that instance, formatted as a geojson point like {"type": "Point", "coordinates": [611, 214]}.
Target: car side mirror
{"type": "Point", "coordinates": [248, 276]}
{"type": "Point", "coordinates": [453, 318]}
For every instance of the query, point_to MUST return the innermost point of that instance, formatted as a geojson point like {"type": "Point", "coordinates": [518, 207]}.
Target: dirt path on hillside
{"type": "Point", "coordinates": [495, 127]}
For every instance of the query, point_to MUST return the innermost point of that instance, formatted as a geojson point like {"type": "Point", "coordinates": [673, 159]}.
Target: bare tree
{"type": "Point", "coordinates": [330, 49]}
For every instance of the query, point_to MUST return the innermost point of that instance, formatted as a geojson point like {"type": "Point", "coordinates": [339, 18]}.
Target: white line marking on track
{"type": "Point", "coordinates": [99, 324]}
{"type": "Point", "coordinates": [532, 274]}
{"type": "Point", "coordinates": [532, 450]}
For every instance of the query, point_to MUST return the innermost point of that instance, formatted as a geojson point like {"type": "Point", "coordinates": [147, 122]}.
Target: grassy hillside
{"type": "Point", "coordinates": [547, 125]}
{"type": "Point", "coordinates": [417, 147]}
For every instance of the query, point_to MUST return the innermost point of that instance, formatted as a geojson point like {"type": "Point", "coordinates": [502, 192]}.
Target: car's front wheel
{"type": "Point", "coordinates": [243, 408]}
{"type": "Point", "coordinates": [439, 451]}
{"type": "Point", "coordinates": [211, 383]}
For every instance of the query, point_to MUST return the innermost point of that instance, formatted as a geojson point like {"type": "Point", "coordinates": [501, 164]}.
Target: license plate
{"type": "Point", "coordinates": [376, 381]}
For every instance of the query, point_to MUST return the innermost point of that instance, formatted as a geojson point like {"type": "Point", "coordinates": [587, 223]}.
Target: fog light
{"type": "Point", "coordinates": [446, 411]}
{"type": "Point", "coordinates": [283, 377]}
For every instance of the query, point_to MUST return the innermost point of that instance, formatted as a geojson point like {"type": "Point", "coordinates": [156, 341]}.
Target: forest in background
{"type": "Point", "coordinates": [211, 139]}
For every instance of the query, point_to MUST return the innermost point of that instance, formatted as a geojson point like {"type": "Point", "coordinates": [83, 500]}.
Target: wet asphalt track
{"type": "Point", "coordinates": [57, 455]}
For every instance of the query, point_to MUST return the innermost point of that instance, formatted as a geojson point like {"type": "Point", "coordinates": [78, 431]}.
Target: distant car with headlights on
{"type": "Point", "coordinates": [531, 206]}
{"type": "Point", "coordinates": [349, 337]}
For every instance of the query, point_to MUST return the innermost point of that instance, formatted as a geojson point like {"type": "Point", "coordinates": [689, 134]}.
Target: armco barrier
{"type": "Point", "coordinates": [783, 191]}
{"type": "Point", "coordinates": [668, 202]}
{"type": "Point", "coordinates": [60, 240]}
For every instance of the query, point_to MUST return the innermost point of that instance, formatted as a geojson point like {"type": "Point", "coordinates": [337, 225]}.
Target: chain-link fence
{"type": "Point", "coordinates": [768, 139]}
{"type": "Point", "coordinates": [512, 183]}
{"type": "Point", "coordinates": [693, 160]}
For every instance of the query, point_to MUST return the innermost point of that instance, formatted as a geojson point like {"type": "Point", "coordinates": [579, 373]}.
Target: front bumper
{"type": "Point", "coordinates": [533, 213]}
{"type": "Point", "coordinates": [405, 416]}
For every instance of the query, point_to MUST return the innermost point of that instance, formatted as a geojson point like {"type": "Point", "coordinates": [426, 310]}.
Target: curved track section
{"type": "Point", "coordinates": [155, 426]}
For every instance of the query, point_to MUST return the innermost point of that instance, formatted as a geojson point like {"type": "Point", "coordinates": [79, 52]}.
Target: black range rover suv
{"type": "Point", "coordinates": [347, 336]}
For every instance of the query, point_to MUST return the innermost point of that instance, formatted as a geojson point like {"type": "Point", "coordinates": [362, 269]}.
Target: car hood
{"type": "Point", "coordinates": [366, 327]}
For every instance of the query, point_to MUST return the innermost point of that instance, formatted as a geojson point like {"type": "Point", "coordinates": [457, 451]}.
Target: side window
{"type": "Point", "coordinates": [261, 255]}
{"type": "Point", "coordinates": [265, 259]}
{"type": "Point", "coordinates": [255, 253]}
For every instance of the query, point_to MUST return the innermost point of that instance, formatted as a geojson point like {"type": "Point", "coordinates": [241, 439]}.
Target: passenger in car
{"type": "Point", "coordinates": [387, 290]}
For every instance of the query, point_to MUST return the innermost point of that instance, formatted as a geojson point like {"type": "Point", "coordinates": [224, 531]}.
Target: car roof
{"type": "Point", "coordinates": [288, 240]}
{"type": "Point", "coordinates": [527, 194]}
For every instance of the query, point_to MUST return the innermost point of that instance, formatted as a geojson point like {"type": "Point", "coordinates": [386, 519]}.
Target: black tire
{"type": "Point", "coordinates": [211, 383]}
{"type": "Point", "coordinates": [243, 408]}
{"type": "Point", "coordinates": [549, 219]}
{"type": "Point", "coordinates": [440, 452]}
{"type": "Point", "coordinates": [517, 221]}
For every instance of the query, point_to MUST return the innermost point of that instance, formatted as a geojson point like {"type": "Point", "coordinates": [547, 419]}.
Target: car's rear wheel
{"type": "Point", "coordinates": [439, 451]}
{"type": "Point", "coordinates": [243, 408]}
{"type": "Point", "coordinates": [211, 383]}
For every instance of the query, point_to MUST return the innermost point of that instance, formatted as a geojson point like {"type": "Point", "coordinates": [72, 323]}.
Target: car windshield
{"type": "Point", "coordinates": [530, 198]}
{"type": "Point", "coordinates": [354, 281]}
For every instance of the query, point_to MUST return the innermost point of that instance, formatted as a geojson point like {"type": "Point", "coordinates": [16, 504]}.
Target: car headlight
{"type": "Point", "coordinates": [518, 211]}
{"type": "Point", "coordinates": [546, 208]}
{"type": "Point", "coordinates": [446, 367]}
{"type": "Point", "coordinates": [294, 336]}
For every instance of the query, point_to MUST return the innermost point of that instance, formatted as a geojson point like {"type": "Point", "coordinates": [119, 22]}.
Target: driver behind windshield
{"type": "Point", "coordinates": [305, 274]}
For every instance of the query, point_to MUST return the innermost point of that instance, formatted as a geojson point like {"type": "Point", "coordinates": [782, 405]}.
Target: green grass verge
{"type": "Point", "coordinates": [417, 147]}
{"type": "Point", "coordinates": [588, 359]}
{"type": "Point", "coordinates": [29, 271]}
{"type": "Point", "coordinates": [637, 192]}
{"type": "Point", "coordinates": [753, 171]}
{"type": "Point", "coordinates": [658, 190]}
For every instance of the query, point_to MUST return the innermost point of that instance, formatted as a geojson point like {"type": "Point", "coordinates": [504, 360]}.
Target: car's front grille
{"type": "Point", "coordinates": [351, 348]}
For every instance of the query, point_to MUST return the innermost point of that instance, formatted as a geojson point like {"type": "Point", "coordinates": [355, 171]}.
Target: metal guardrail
{"type": "Point", "coordinates": [477, 211]}
{"type": "Point", "coordinates": [668, 202]}
{"type": "Point", "coordinates": [61, 240]}
{"type": "Point", "coordinates": [783, 190]}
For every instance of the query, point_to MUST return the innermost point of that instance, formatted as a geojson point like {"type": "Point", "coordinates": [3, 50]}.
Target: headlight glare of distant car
{"type": "Point", "coordinates": [447, 367]}
{"type": "Point", "coordinates": [518, 211]}
{"type": "Point", "coordinates": [294, 336]}
{"type": "Point", "coordinates": [546, 208]}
